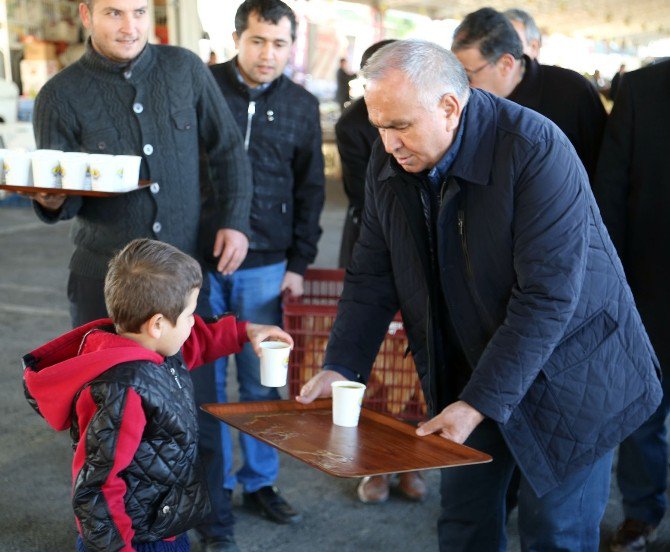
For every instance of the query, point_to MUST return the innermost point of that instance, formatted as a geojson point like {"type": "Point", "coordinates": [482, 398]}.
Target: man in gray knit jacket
{"type": "Point", "coordinates": [125, 96]}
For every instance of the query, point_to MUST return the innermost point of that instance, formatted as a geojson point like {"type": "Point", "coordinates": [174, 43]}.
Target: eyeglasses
{"type": "Point", "coordinates": [472, 72]}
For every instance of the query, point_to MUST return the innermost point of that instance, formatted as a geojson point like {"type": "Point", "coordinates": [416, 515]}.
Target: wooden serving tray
{"type": "Point", "coordinates": [62, 191]}
{"type": "Point", "coordinates": [379, 445]}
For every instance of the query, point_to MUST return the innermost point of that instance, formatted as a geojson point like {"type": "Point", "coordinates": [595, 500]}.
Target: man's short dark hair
{"type": "Point", "coordinates": [148, 277]}
{"type": "Point", "coordinates": [489, 31]}
{"type": "Point", "coordinates": [267, 10]}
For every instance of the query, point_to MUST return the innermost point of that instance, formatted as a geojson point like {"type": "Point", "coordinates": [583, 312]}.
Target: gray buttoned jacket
{"type": "Point", "coordinates": [162, 106]}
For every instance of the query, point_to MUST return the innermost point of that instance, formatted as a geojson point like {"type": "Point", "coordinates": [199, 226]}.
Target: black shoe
{"type": "Point", "coordinates": [220, 544]}
{"type": "Point", "coordinates": [633, 536]}
{"type": "Point", "coordinates": [267, 501]}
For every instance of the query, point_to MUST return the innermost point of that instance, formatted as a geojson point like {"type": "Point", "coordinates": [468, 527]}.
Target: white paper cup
{"type": "Point", "coordinates": [104, 173]}
{"type": "Point", "coordinates": [347, 401]}
{"type": "Point", "coordinates": [74, 171]}
{"type": "Point", "coordinates": [274, 363]}
{"type": "Point", "coordinates": [17, 167]}
{"type": "Point", "coordinates": [46, 168]}
{"type": "Point", "coordinates": [129, 165]}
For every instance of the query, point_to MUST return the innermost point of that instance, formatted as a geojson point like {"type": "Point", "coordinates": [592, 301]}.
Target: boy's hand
{"type": "Point", "coordinates": [260, 332]}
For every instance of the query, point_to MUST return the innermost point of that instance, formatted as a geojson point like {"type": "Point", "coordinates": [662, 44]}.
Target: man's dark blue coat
{"type": "Point", "coordinates": [532, 284]}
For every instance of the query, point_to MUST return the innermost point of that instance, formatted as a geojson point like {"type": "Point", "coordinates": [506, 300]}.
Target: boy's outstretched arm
{"type": "Point", "coordinates": [226, 336]}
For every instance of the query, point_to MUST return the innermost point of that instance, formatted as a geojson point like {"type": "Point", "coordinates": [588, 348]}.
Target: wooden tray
{"type": "Point", "coordinates": [380, 444]}
{"type": "Point", "coordinates": [61, 191]}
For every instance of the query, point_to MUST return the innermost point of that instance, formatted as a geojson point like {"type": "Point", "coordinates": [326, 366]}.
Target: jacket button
{"type": "Point", "coordinates": [157, 226]}
{"type": "Point", "coordinates": [148, 149]}
{"type": "Point", "coordinates": [166, 509]}
{"type": "Point", "coordinates": [102, 145]}
{"type": "Point", "coordinates": [138, 107]}
{"type": "Point", "coordinates": [155, 188]}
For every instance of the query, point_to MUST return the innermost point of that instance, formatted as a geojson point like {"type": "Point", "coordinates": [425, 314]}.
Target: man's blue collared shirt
{"type": "Point", "coordinates": [439, 172]}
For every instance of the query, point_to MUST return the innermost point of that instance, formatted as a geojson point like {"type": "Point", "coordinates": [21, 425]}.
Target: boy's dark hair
{"type": "Point", "coordinates": [267, 10]}
{"type": "Point", "coordinates": [148, 277]}
{"type": "Point", "coordinates": [489, 31]}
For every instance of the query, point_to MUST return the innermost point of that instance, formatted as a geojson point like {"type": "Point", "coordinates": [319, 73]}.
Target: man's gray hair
{"type": "Point", "coordinates": [531, 29]}
{"type": "Point", "coordinates": [433, 70]}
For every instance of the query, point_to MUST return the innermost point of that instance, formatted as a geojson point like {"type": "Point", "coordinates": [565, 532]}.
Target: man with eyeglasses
{"type": "Point", "coordinates": [491, 52]}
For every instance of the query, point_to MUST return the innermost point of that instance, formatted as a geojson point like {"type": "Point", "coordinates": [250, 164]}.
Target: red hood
{"type": "Point", "coordinates": [55, 372]}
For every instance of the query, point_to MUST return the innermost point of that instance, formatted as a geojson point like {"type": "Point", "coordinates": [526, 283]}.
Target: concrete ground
{"type": "Point", "coordinates": [35, 513]}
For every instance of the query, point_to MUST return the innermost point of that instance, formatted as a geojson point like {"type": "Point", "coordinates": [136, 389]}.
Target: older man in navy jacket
{"type": "Point", "coordinates": [480, 226]}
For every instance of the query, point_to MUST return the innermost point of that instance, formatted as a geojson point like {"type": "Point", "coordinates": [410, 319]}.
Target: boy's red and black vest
{"type": "Point", "coordinates": [132, 417]}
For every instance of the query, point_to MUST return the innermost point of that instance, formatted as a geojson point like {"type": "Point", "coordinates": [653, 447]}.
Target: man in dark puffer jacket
{"type": "Point", "coordinates": [282, 135]}
{"type": "Point", "coordinates": [480, 225]}
{"type": "Point", "coordinates": [124, 390]}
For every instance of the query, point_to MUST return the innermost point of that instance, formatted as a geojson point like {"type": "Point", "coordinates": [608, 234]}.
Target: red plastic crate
{"type": "Point", "coordinates": [393, 387]}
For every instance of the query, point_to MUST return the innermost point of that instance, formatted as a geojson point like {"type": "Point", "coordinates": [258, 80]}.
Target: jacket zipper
{"type": "Point", "coordinates": [470, 272]}
{"type": "Point", "coordinates": [251, 111]}
{"type": "Point", "coordinates": [464, 243]}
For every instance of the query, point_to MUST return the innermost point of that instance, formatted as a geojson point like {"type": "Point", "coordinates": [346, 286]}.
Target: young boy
{"type": "Point", "coordinates": [123, 389]}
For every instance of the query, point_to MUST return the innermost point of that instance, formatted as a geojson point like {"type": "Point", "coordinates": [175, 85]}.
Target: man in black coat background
{"type": "Point", "coordinates": [280, 123]}
{"type": "Point", "coordinates": [492, 53]}
{"type": "Point", "coordinates": [355, 136]}
{"type": "Point", "coordinates": [633, 191]}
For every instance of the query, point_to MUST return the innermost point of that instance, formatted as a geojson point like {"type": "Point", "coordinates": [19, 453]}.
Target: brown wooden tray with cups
{"type": "Point", "coordinates": [380, 444]}
{"type": "Point", "coordinates": [66, 191]}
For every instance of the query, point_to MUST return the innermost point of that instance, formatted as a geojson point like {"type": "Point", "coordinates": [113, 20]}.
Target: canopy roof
{"type": "Point", "coordinates": [631, 22]}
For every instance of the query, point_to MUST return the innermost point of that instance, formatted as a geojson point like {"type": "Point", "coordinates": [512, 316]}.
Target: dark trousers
{"type": "Point", "coordinates": [642, 469]}
{"type": "Point", "coordinates": [473, 504]}
{"type": "Point", "coordinates": [87, 299]}
{"type": "Point", "coordinates": [220, 521]}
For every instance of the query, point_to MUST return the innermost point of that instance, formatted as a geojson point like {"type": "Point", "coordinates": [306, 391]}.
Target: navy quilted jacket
{"type": "Point", "coordinates": [532, 284]}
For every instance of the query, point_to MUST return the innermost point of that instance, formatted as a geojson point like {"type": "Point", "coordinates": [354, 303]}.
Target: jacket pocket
{"type": "Point", "coordinates": [271, 223]}
{"type": "Point", "coordinates": [105, 140]}
{"type": "Point", "coordinates": [184, 119]}
{"type": "Point", "coordinates": [580, 344]}
{"type": "Point", "coordinates": [583, 396]}
{"type": "Point", "coordinates": [166, 510]}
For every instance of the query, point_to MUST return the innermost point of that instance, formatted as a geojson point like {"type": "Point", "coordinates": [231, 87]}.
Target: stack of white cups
{"type": "Point", "coordinates": [46, 168]}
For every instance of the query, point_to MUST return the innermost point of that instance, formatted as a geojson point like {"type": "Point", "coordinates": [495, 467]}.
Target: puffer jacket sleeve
{"type": "Point", "coordinates": [112, 422]}
{"type": "Point", "coordinates": [209, 341]}
{"type": "Point", "coordinates": [550, 246]}
{"type": "Point", "coordinates": [369, 300]}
